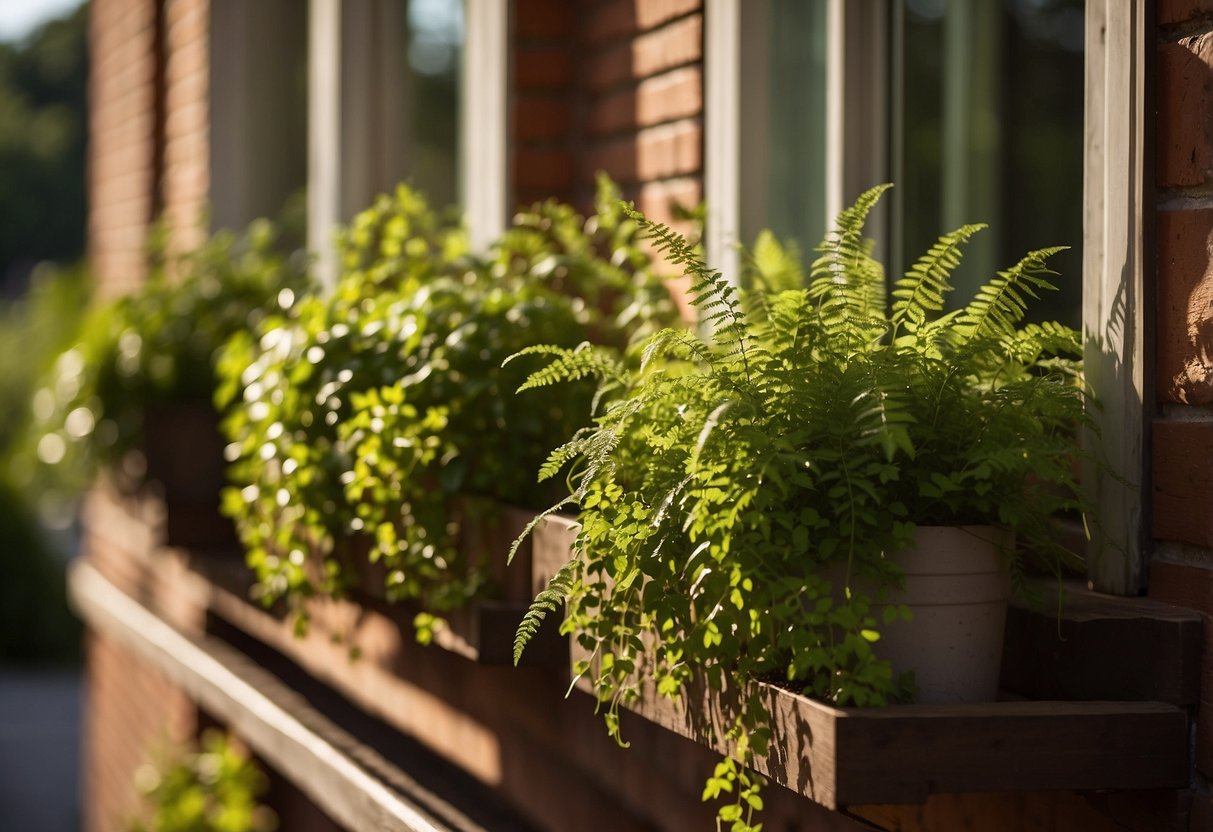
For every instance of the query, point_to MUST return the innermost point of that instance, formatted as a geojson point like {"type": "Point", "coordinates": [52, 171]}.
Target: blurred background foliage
{"type": "Point", "coordinates": [43, 296]}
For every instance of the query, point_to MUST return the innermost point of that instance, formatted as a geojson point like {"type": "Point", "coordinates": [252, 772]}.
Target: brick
{"type": "Point", "coordinates": [623, 18]}
{"type": "Point", "coordinates": [539, 118]}
{"type": "Point", "coordinates": [1185, 307]}
{"type": "Point", "coordinates": [1185, 103]}
{"type": "Point", "coordinates": [132, 713]}
{"type": "Point", "coordinates": [1201, 819]}
{"type": "Point", "coordinates": [545, 171]}
{"type": "Point", "coordinates": [542, 68]}
{"type": "Point", "coordinates": [1183, 482]}
{"type": "Point", "coordinates": [659, 200]}
{"type": "Point", "coordinates": [544, 18]}
{"type": "Point", "coordinates": [667, 97]}
{"type": "Point", "coordinates": [1191, 585]}
{"type": "Point", "coordinates": [661, 152]}
{"type": "Point", "coordinates": [186, 176]}
{"type": "Point", "coordinates": [1179, 11]}
{"type": "Point", "coordinates": [121, 128]}
{"type": "Point", "coordinates": [671, 46]}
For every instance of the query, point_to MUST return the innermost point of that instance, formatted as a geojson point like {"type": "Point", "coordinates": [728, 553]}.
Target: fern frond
{"type": "Point", "coordinates": [881, 411]}
{"type": "Point", "coordinates": [717, 301]}
{"type": "Point", "coordinates": [584, 361]}
{"type": "Point", "coordinates": [845, 280]}
{"type": "Point", "coordinates": [549, 600]}
{"type": "Point", "coordinates": [1000, 305]}
{"type": "Point", "coordinates": [676, 343]}
{"type": "Point", "coordinates": [921, 292]}
{"type": "Point", "coordinates": [561, 456]}
{"type": "Point", "coordinates": [772, 266]}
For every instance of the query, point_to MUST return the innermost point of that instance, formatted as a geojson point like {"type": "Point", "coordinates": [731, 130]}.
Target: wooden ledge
{"type": "Point", "coordinates": [482, 632]}
{"type": "Point", "coordinates": [1102, 647]}
{"type": "Point", "coordinates": [355, 785]}
{"type": "Point", "coordinates": [842, 757]}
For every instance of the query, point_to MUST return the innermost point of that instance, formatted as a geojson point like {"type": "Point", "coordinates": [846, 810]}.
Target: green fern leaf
{"type": "Point", "coordinates": [548, 601]}
{"type": "Point", "coordinates": [1000, 305]}
{"type": "Point", "coordinates": [584, 361]}
{"type": "Point", "coordinates": [921, 292]}
{"type": "Point", "coordinates": [846, 281]}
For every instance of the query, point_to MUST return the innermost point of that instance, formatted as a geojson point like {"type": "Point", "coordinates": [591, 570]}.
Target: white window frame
{"type": "Point", "coordinates": [1115, 239]}
{"type": "Point", "coordinates": [482, 150]}
{"type": "Point", "coordinates": [856, 135]}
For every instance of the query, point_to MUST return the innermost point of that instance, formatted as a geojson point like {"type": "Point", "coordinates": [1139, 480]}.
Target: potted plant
{"type": "Point", "coordinates": [379, 425]}
{"type": "Point", "coordinates": [134, 395]}
{"type": "Point", "coordinates": [744, 496]}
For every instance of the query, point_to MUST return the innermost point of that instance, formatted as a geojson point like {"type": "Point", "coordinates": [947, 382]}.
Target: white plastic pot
{"type": "Point", "coordinates": [957, 589]}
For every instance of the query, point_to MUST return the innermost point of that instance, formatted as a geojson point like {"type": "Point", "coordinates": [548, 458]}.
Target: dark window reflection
{"type": "Point", "coordinates": [989, 111]}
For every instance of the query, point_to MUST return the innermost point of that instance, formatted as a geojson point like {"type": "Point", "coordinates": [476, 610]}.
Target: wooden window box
{"type": "Point", "coordinates": [1127, 734]}
{"type": "Point", "coordinates": [1107, 684]}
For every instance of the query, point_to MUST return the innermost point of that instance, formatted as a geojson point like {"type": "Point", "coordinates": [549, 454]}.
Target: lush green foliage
{"type": "Point", "coordinates": [814, 425]}
{"type": "Point", "coordinates": [43, 129]}
{"type": "Point", "coordinates": [35, 623]}
{"type": "Point", "coordinates": [364, 415]}
{"type": "Point", "coordinates": [156, 346]}
{"type": "Point", "coordinates": [214, 788]}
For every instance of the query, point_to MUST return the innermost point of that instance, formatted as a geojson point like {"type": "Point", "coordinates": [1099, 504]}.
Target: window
{"type": "Point", "coordinates": [977, 112]}
{"type": "Point", "coordinates": [258, 110]}
{"type": "Point", "coordinates": [405, 91]}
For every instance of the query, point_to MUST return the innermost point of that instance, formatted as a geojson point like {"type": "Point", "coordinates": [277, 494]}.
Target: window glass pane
{"type": "Point", "coordinates": [401, 64]}
{"type": "Point", "coordinates": [783, 74]}
{"type": "Point", "coordinates": [434, 40]}
{"type": "Point", "coordinates": [989, 102]}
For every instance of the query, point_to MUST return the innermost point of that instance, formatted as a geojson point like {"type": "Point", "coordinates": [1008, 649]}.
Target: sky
{"type": "Point", "coordinates": [20, 17]}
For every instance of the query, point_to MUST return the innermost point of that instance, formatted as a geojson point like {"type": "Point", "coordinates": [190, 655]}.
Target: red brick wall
{"type": "Point", "coordinates": [148, 153]}
{"type": "Point", "coordinates": [122, 131]}
{"type": "Point", "coordinates": [612, 85]}
{"type": "Point", "coordinates": [1182, 567]}
{"type": "Point", "coordinates": [186, 183]}
{"type": "Point", "coordinates": [133, 713]}
{"type": "Point", "coordinates": [148, 148]}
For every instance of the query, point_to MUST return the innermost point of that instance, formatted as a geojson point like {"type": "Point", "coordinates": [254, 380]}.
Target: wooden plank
{"type": "Point", "coordinates": [1007, 746]}
{"type": "Point", "coordinates": [352, 783]}
{"type": "Point", "coordinates": [903, 754]}
{"type": "Point", "coordinates": [1102, 647]}
{"type": "Point", "coordinates": [482, 632]}
{"type": "Point", "coordinates": [1114, 297]}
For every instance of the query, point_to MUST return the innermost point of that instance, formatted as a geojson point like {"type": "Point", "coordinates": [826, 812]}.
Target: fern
{"type": "Point", "coordinates": [717, 301]}
{"type": "Point", "coordinates": [921, 292]}
{"type": "Point", "coordinates": [846, 282]}
{"type": "Point", "coordinates": [1000, 305]}
{"type": "Point", "coordinates": [549, 600]}
{"type": "Point", "coordinates": [807, 425]}
{"type": "Point", "coordinates": [583, 361]}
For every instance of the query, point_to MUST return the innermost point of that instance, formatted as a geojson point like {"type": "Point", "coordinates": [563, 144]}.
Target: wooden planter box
{"type": "Point", "coordinates": [851, 757]}
{"type": "Point", "coordinates": [185, 468]}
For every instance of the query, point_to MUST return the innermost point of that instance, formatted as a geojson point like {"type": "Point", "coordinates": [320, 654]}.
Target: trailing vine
{"type": "Point", "coordinates": [366, 415]}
